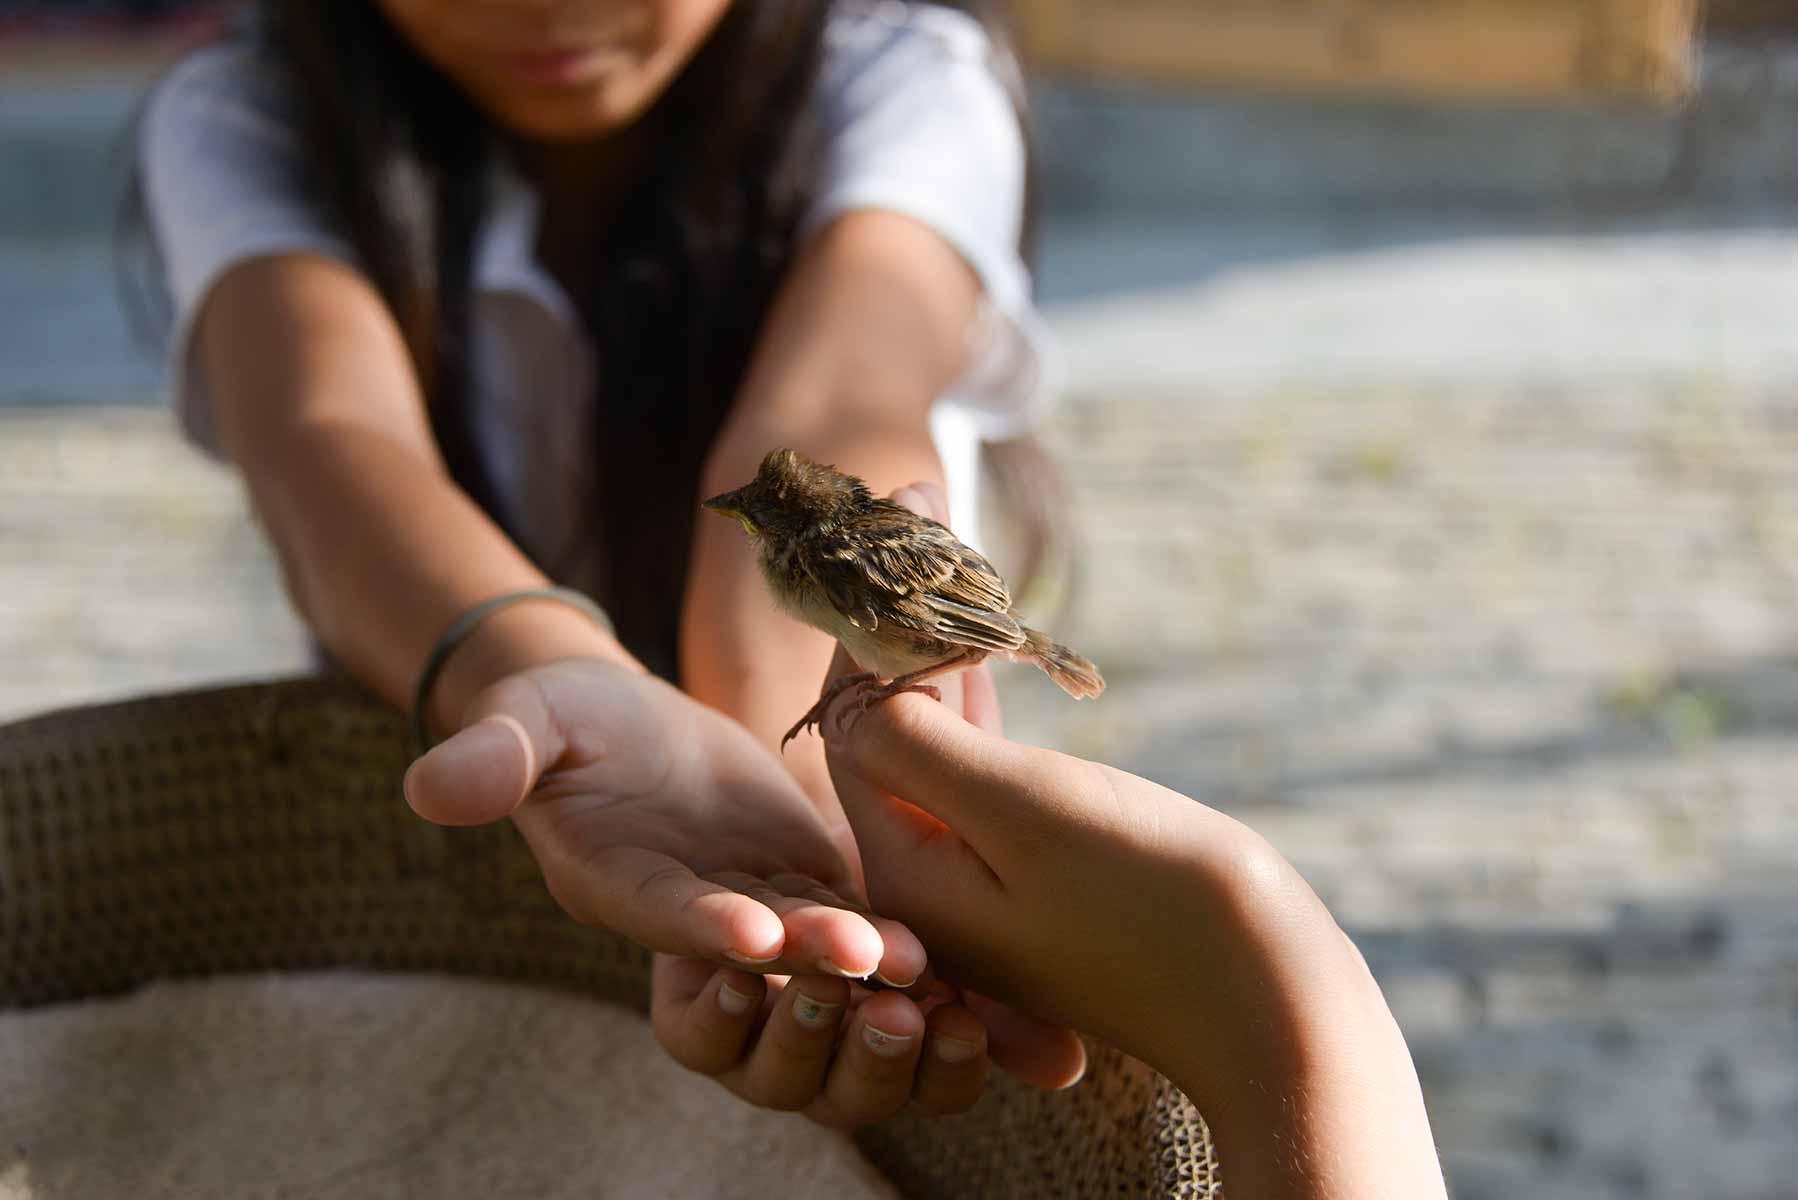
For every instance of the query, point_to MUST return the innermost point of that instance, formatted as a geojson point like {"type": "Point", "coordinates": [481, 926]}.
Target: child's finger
{"type": "Point", "coordinates": [983, 787]}
{"type": "Point", "coordinates": [705, 1030]}
{"type": "Point", "coordinates": [787, 1067]}
{"type": "Point", "coordinates": [482, 772]}
{"type": "Point", "coordinates": [826, 933]}
{"type": "Point", "coordinates": [656, 901]}
{"type": "Point", "coordinates": [477, 775]}
{"type": "Point", "coordinates": [902, 957]}
{"type": "Point", "coordinates": [1028, 1049]}
{"type": "Point", "coordinates": [980, 700]}
{"type": "Point", "coordinates": [871, 1076]}
{"type": "Point", "coordinates": [953, 1070]}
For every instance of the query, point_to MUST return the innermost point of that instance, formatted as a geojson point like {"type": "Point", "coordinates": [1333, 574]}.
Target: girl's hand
{"type": "Point", "coordinates": [656, 816]}
{"type": "Point", "coordinates": [659, 818]}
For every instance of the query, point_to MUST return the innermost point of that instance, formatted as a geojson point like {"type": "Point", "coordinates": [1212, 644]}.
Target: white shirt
{"type": "Point", "coordinates": [917, 119]}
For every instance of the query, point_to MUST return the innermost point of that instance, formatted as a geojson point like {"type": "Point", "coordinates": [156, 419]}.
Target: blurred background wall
{"type": "Point", "coordinates": [1430, 410]}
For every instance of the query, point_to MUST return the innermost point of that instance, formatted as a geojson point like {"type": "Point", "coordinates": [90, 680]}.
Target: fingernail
{"type": "Point", "coordinates": [887, 1045]}
{"type": "Point", "coordinates": [493, 736]}
{"type": "Point", "coordinates": [1081, 1074]}
{"type": "Point", "coordinates": [814, 1014]}
{"type": "Point", "coordinates": [953, 1049]}
{"type": "Point", "coordinates": [894, 983]}
{"type": "Point", "coordinates": [734, 1002]}
{"type": "Point", "coordinates": [753, 962]}
{"type": "Point", "coordinates": [826, 965]}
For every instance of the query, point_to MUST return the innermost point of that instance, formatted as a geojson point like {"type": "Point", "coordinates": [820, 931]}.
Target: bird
{"type": "Point", "coordinates": [905, 597]}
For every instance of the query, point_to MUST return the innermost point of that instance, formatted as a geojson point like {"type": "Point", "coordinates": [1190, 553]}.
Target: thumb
{"type": "Point", "coordinates": [957, 774]}
{"type": "Point", "coordinates": [483, 772]}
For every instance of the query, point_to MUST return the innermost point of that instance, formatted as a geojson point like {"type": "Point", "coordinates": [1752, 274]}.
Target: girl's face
{"type": "Point", "coordinates": [558, 70]}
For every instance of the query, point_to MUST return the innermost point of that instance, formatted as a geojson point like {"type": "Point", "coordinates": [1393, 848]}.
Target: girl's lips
{"type": "Point", "coordinates": [554, 67]}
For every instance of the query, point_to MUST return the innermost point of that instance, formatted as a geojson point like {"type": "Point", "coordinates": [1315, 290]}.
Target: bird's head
{"type": "Point", "coordinates": [791, 495]}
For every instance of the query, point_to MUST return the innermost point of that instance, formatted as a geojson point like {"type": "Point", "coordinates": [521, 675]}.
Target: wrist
{"type": "Point", "coordinates": [530, 633]}
{"type": "Point", "coordinates": [1320, 1098]}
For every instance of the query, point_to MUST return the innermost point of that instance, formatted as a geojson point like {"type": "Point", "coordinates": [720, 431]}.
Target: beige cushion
{"type": "Point", "coordinates": [348, 1085]}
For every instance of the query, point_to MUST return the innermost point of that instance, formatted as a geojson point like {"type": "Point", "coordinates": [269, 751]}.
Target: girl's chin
{"type": "Point", "coordinates": [566, 115]}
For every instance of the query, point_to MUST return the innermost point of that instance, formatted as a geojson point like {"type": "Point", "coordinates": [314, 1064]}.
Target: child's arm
{"type": "Point", "coordinates": [870, 328]}
{"type": "Point", "coordinates": [1095, 898]}
{"type": "Point", "coordinates": [315, 400]}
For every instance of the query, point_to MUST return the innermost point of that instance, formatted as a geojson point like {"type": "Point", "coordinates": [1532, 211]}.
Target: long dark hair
{"type": "Point", "coordinates": [691, 261]}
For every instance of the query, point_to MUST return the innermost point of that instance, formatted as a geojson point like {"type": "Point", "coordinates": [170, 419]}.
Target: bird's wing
{"type": "Point", "coordinates": [899, 567]}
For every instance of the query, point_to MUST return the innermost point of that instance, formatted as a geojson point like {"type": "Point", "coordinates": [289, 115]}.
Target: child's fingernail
{"type": "Point", "coordinates": [734, 1002]}
{"type": "Point", "coordinates": [815, 1014]}
{"type": "Point", "coordinates": [845, 972]}
{"type": "Point", "coordinates": [887, 1045]}
{"type": "Point", "coordinates": [953, 1049]}
{"type": "Point", "coordinates": [753, 962]}
{"type": "Point", "coordinates": [1079, 1075]}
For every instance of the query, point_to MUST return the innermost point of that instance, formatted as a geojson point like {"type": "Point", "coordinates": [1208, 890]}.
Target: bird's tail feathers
{"type": "Point", "coordinates": [1077, 676]}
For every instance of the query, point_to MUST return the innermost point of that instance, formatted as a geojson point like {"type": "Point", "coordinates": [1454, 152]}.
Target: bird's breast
{"type": "Point", "coordinates": [887, 650]}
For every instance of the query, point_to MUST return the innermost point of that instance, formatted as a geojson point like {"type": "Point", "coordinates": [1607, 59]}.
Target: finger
{"type": "Point", "coordinates": [787, 1067]}
{"type": "Point", "coordinates": [485, 770]}
{"type": "Point", "coordinates": [1030, 1050]}
{"type": "Point", "coordinates": [903, 959]}
{"type": "Point", "coordinates": [871, 1076]}
{"type": "Point", "coordinates": [823, 931]}
{"type": "Point", "coordinates": [987, 789]}
{"type": "Point", "coordinates": [953, 1070]}
{"type": "Point", "coordinates": [702, 1013]}
{"type": "Point", "coordinates": [925, 498]}
{"type": "Point", "coordinates": [656, 901]}
{"type": "Point", "coordinates": [980, 700]}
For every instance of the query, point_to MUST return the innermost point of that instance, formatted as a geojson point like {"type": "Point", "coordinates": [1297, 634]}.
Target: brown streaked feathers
{"type": "Point", "coordinates": [901, 592]}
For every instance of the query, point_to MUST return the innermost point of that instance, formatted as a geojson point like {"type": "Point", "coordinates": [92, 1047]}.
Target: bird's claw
{"type": "Point", "coordinates": [850, 713]}
{"type": "Point", "coordinates": [814, 716]}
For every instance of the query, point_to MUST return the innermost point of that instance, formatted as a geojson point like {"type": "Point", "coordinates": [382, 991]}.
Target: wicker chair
{"type": "Point", "coordinates": [258, 828]}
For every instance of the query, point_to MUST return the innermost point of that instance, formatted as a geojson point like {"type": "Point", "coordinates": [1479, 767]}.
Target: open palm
{"type": "Point", "coordinates": [655, 816]}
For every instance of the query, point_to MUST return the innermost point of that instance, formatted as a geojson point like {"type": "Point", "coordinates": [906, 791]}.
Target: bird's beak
{"type": "Point", "coordinates": [729, 504]}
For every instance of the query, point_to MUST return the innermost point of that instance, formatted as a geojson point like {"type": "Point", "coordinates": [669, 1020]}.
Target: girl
{"type": "Point", "coordinates": [484, 295]}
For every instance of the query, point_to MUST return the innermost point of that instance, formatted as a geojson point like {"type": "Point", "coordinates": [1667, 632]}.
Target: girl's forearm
{"type": "Point", "coordinates": [382, 552]}
{"type": "Point", "coordinates": [314, 398]}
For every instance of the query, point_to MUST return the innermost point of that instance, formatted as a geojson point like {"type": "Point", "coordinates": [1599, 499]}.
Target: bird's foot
{"type": "Point", "coordinates": [874, 695]}
{"type": "Point", "coordinates": [832, 690]}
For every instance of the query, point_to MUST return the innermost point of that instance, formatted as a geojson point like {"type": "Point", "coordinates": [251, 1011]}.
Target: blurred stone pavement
{"type": "Point", "coordinates": [1452, 543]}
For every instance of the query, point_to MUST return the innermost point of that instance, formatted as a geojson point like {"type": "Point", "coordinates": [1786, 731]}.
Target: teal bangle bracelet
{"type": "Point", "coordinates": [464, 625]}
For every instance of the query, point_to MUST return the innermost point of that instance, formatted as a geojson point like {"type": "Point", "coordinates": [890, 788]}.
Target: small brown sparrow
{"type": "Point", "coordinates": [904, 596]}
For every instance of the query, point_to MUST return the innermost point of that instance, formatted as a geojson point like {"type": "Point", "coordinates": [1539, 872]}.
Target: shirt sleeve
{"type": "Point", "coordinates": [917, 120]}
{"type": "Point", "coordinates": [225, 179]}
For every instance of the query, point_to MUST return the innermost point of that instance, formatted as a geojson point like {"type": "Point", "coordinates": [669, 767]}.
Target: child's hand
{"type": "Point", "coordinates": [659, 818]}
{"type": "Point", "coordinates": [1099, 900]}
{"type": "Point", "coordinates": [839, 1054]}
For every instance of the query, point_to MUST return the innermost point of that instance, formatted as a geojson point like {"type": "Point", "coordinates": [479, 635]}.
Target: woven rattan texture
{"type": "Point", "coordinates": [262, 828]}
